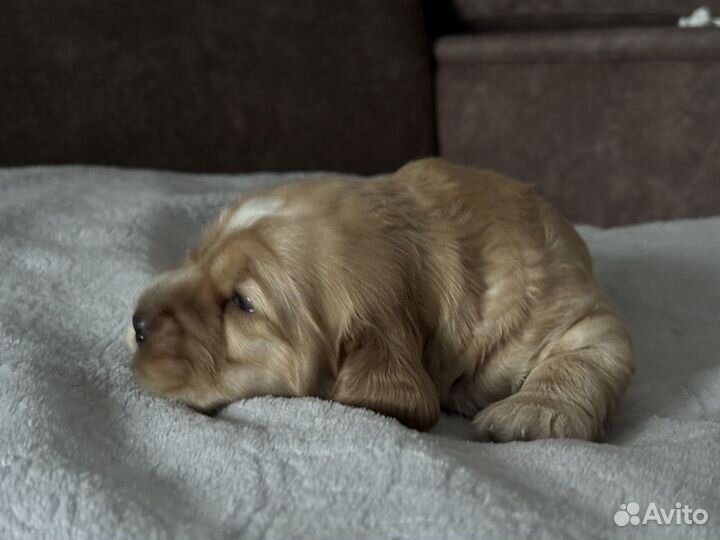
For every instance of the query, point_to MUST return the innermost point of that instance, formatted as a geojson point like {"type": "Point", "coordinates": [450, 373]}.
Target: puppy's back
{"type": "Point", "coordinates": [509, 210]}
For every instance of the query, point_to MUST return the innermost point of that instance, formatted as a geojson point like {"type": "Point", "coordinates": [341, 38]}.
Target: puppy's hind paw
{"type": "Point", "coordinates": [527, 418]}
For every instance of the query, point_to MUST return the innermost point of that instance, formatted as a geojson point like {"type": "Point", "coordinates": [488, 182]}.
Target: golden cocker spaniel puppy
{"type": "Point", "coordinates": [436, 287]}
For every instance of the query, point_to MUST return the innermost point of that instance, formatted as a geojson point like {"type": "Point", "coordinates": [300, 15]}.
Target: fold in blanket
{"type": "Point", "coordinates": [84, 453]}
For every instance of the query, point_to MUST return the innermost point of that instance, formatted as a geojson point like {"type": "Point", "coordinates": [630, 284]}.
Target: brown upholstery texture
{"type": "Point", "coordinates": [529, 14]}
{"type": "Point", "coordinates": [215, 85]}
{"type": "Point", "coordinates": [614, 127]}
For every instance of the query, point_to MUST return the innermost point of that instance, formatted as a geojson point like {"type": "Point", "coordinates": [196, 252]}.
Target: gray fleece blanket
{"type": "Point", "coordinates": [85, 454]}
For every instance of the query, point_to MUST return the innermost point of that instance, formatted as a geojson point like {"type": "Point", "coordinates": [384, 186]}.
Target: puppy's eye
{"type": "Point", "coordinates": [243, 302]}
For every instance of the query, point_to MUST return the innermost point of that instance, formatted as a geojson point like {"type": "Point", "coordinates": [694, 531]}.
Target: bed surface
{"type": "Point", "coordinates": [84, 453]}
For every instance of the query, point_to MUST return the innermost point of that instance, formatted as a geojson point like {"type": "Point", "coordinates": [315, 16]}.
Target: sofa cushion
{"type": "Point", "coordinates": [486, 14]}
{"type": "Point", "coordinates": [613, 126]}
{"type": "Point", "coordinates": [215, 86]}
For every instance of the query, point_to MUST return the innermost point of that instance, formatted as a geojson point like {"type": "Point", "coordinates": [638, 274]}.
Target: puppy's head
{"type": "Point", "coordinates": [228, 322]}
{"type": "Point", "coordinates": [285, 303]}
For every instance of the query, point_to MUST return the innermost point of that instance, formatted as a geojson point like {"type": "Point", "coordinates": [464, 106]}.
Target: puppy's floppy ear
{"type": "Point", "coordinates": [382, 370]}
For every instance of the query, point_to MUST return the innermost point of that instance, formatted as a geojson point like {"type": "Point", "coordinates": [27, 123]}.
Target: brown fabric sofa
{"type": "Point", "coordinates": [614, 125]}
{"type": "Point", "coordinates": [228, 85]}
{"type": "Point", "coordinates": [605, 105]}
{"type": "Point", "coordinates": [571, 14]}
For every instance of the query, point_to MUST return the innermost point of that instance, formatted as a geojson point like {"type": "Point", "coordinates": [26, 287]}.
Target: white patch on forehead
{"type": "Point", "coordinates": [251, 212]}
{"type": "Point", "coordinates": [174, 278]}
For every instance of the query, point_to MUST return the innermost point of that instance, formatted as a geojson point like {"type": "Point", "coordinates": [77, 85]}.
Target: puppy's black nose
{"type": "Point", "coordinates": [141, 327]}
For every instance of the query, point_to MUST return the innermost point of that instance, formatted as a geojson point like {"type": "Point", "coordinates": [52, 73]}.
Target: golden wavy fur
{"type": "Point", "coordinates": [436, 287]}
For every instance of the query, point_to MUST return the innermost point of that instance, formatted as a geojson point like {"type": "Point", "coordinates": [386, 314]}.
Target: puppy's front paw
{"type": "Point", "coordinates": [529, 417]}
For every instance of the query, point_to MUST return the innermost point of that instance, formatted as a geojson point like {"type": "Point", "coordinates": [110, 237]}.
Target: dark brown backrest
{"type": "Point", "coordinates": [227, 85]}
